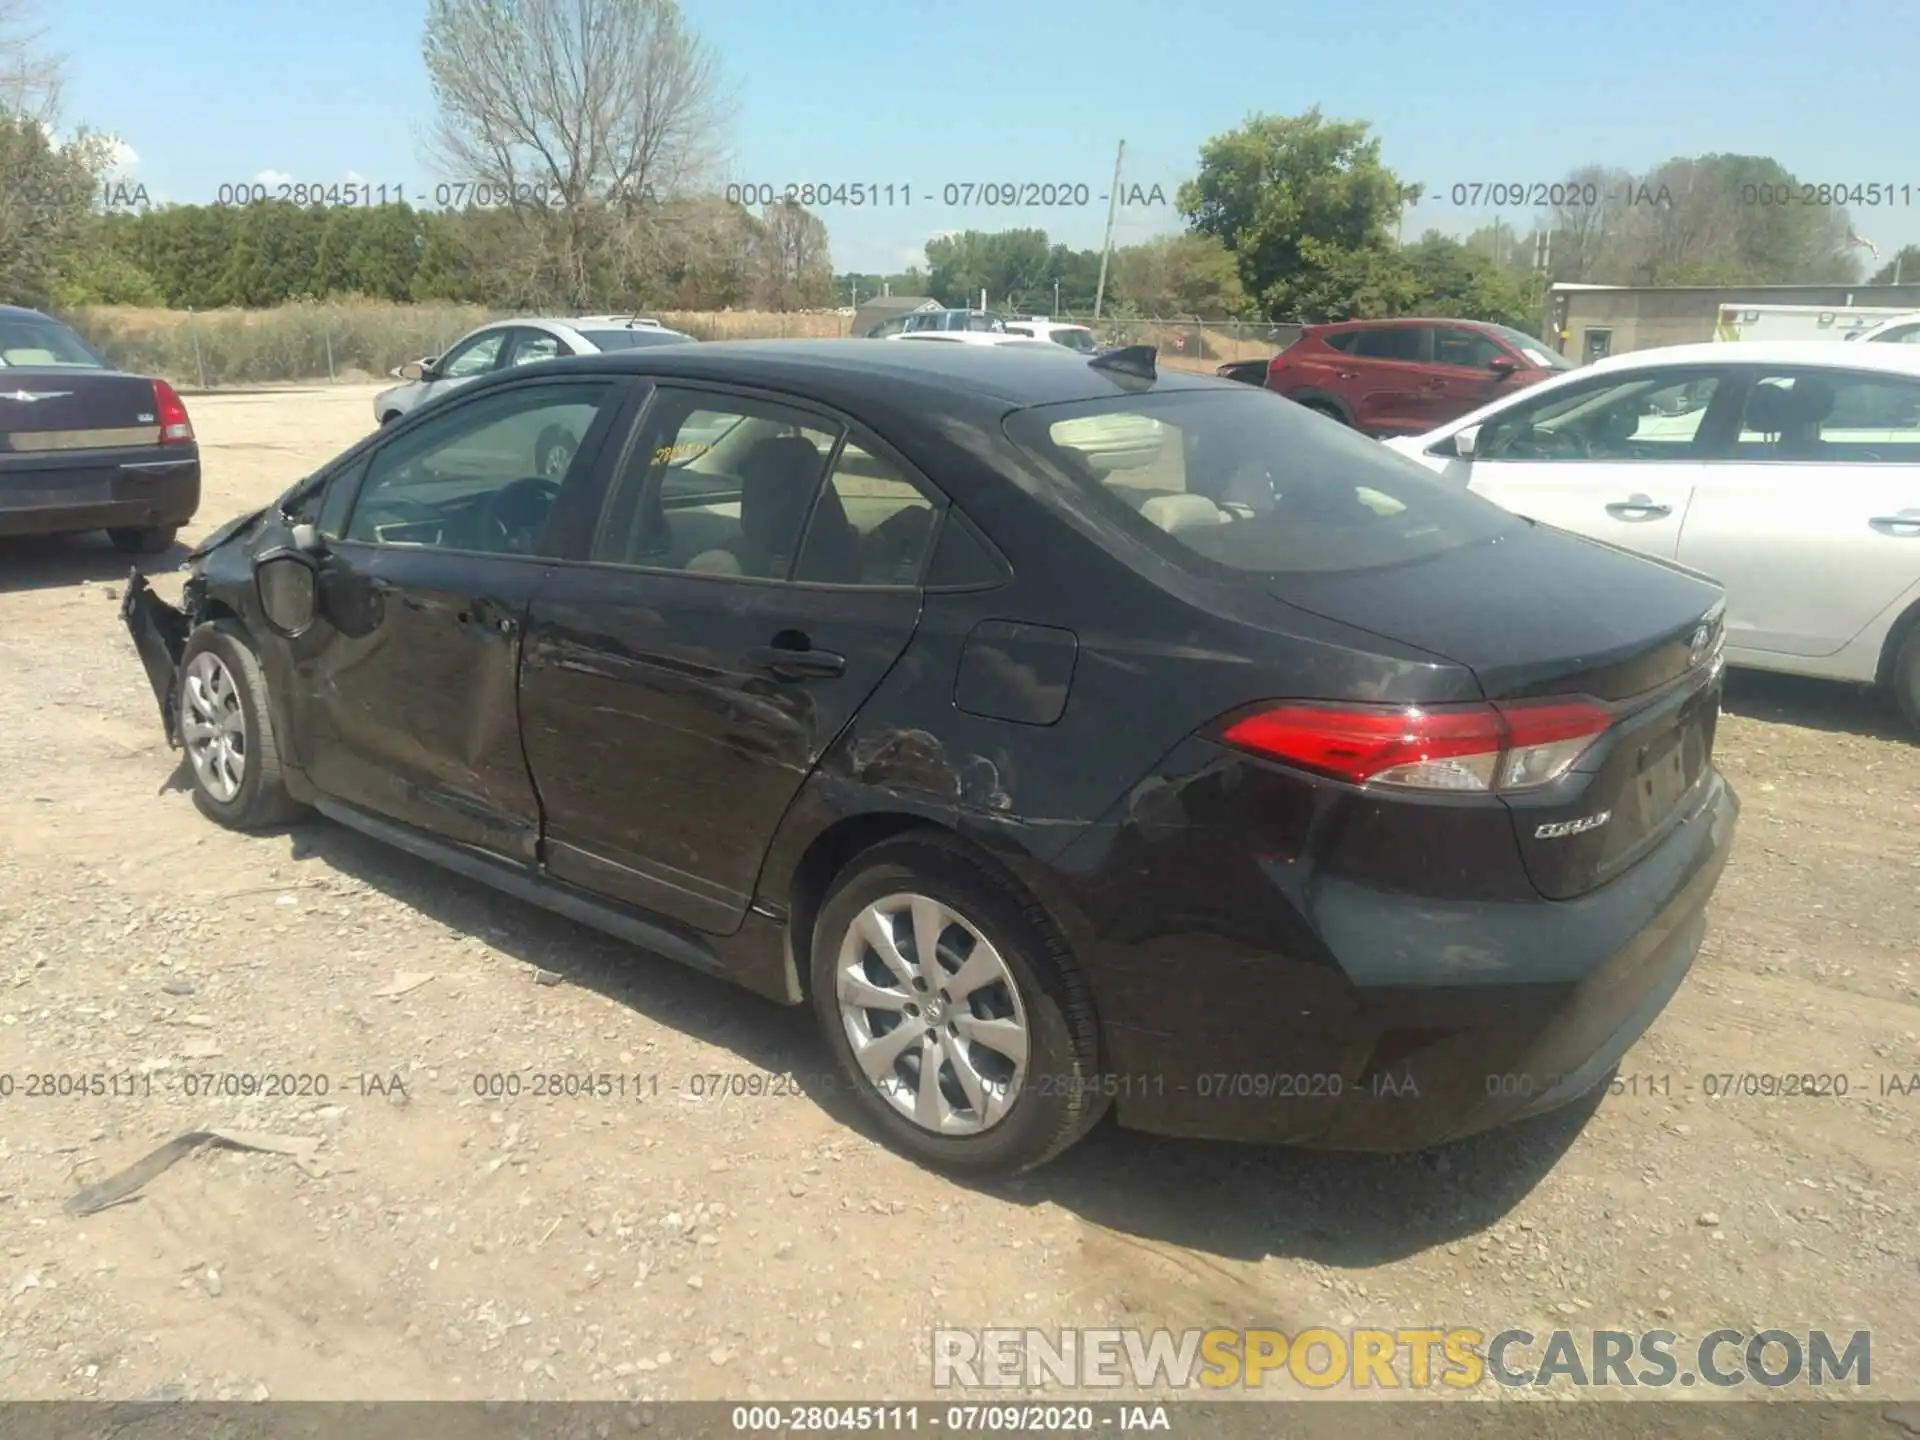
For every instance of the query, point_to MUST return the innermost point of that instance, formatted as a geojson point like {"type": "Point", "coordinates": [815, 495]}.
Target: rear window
{"type": "Point", "coordinates": [1244, 481]}
{"type": "Point", "coordinates": [34, 341]}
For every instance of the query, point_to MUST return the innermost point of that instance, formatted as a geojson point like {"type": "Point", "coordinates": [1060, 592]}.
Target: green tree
{"type": "Point", "coordinates": [1904, 263]}
{"type": "Point", "coordinates": [1191, 274]}
{"type": "Point", "coordinates": [1461, 279]}
{"type": "Point", "coordinates": [47, 193]}
{"type": "Point", "coordinates": [1308, 209]}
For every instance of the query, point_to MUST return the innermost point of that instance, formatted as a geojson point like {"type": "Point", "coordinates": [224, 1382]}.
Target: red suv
{"type": "Point", "coordinates": [1402, 377]}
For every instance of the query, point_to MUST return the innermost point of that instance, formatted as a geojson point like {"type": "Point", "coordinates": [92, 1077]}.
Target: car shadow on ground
{"type": "Point", "coordinates": [54, 562]}
{"type": "Point", "coordinates": [1815, 704]}
{"type": "Point", "coordinates": [1240, 1201]}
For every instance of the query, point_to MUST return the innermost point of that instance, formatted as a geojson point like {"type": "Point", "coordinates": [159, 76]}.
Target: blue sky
{"type": "Point", "coordinates": [215, 92]}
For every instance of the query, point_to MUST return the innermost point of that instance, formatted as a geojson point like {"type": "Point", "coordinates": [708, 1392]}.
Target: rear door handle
{"type": "Point", "coordinates": [1906, 523]}
{"type": "Point", "coordinates": [785, 664]}
{"type": "Point", "coordinates": [1636, 506]}
{"type": "Point", "coordinates": [1346, 374]}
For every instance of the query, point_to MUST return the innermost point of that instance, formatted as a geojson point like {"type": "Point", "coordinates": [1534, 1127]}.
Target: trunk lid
{"type": "Point", "coordinates": [71, 408]}
{"type": "Point", "coordinates": [1537, 613]}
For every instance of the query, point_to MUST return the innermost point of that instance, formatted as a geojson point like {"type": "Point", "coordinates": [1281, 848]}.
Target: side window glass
{"type": "Point", "coordinates": [339, 498]}
{"type": "Point", "coordinates": [474, 358]}
{"type": "Point", "coordinates": [872, 525]}
{"type": "Point", "coordinates": [535, 345]}
{"type": "Point", "coordinates": [1344, 340]}
{"type": "Point", "coordinates": [1398, 343]}
{"type": "Point", "coordinates": [481, 477]}
{"type": "Point", "coordinates": [717, 486]}
{"type": "Point", "coordinates": [1831, 417]}
{"type": "Point", "coordinates": [1468, 349]}
{"type": "Point", "coordinates": [1646, 417]}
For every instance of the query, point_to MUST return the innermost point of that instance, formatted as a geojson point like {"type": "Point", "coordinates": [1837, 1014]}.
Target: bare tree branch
{"type": "Point", "coordinates": [30, 76]}
{"type": "Point", "coordinates": [585, 115]}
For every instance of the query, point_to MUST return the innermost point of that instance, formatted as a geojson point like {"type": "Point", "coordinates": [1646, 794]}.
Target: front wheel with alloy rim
{"type": "Point", "coordinates": [954, 1011]}
{"type": "Point", "coordinates": [226, 728]}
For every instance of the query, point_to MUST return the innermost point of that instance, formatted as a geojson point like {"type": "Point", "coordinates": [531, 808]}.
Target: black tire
{"type": "Point", "coordinates": [1322, 407]}
{"type": "Point", "coordinates": [555, 443]}
{"type": "Point", "coordinates": [262, 799]}
{"type": "Point", "coordinates": [1906, 677]}
{"type": "Point", "coordinates": [1061, 1098]}
{"type": "Point", "coordinates": [389, 417]}
{"type": "Point", "coordinates": [147, 540]}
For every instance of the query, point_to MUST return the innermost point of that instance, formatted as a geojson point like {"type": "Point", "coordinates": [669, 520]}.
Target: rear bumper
{"type": "Point", "coordinates": [1422, 1020]}
{"type": "Point", "coordinates": [159, 633]}
{"type": "Point", "coordinates": [56, 493]}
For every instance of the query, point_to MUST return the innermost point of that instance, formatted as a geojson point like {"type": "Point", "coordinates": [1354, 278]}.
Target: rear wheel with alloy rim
{"type": "Point", "coordinates": [954, 1011]}
{"type": "Point", "coordinates": [226, 728]}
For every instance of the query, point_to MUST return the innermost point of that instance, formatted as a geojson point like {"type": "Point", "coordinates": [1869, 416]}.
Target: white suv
{"type": "Point", "coordinates": [1074, 337]}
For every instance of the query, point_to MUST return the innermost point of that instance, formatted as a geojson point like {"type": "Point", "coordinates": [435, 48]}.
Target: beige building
{"type": "Point", "coordinates": [1592, 321]}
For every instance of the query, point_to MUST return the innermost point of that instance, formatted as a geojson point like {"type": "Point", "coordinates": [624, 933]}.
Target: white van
{"type": "Point", "coordinates": [1799, 322]}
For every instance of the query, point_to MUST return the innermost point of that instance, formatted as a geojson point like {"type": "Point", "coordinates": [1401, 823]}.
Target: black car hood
{"type": "Point", "coordinates": [226, 532]}
{"type": "Point", "coordinates": [1531, 606]}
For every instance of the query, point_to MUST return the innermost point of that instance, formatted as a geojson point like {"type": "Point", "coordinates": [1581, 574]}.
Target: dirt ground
{"type": "Point", "coordinates": [689, 1243]}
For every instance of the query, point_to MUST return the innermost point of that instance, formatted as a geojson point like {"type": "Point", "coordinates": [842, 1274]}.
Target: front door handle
{"type": "Point", "coordinates": [1346, 374]}
{"type": "Point", "coordinates": [1906, 523]}
{"type": "Point", "coordinates": [1636, 507]}
{"type": "Point", "coordinates": [1436, 384]}
{"type": "Point", "coordinates": [785, 664]}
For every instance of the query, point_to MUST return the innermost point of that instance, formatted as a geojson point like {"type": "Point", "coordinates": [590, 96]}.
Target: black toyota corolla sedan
{"type": "Point", "coordinates": [1073, 737]}
{"type": "Point", "coordinates": [85, 447]}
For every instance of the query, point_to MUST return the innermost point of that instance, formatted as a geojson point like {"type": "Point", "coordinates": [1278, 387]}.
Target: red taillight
{"type": "Point", "coordinates": [175, 427]}
{"type": "Point", "coordinates": [1444, 747]}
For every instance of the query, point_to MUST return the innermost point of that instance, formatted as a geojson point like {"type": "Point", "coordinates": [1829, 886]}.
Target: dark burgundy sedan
{"type": "Point", "coordinates": [86, 447]}
{"type": "Point", "coordinates": [1073, 736]}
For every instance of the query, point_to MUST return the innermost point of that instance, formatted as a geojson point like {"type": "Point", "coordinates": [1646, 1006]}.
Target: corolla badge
{"type": "Point", "coordinates": [1560, 829]}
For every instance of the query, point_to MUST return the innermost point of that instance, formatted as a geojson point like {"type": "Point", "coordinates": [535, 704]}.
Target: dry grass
{"type": "Point", "coordinates": [364, 339]}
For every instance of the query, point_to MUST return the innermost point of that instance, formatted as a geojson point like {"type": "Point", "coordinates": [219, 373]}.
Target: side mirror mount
{"type": "Point", "coordinates": [287, 584]}
{"type": "Point", "coordinates": [1502, 366]}
{"type": "Point", "coordinates": [415, 370]}
{"type": "Point", "coordinates": [1465, 440]}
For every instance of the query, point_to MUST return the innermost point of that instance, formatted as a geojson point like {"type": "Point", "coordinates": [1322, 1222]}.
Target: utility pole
{"type": "Point", "coordinates": [1106, 249]}
{"type": "Point", "coordinates": [1056, 292]}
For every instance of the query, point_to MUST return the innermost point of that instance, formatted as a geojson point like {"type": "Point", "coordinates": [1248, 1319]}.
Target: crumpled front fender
{"type": "Point", "coordinates": [159, 633]}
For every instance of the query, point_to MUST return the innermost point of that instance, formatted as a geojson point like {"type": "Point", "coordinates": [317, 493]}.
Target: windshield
{"type": "Point", "coordinates": [1536, 350]}
{"type": "Point", "coordinates": [1075, 340]}
{"type": "Point", "coordinates": [624, 339]}
{"type": "Point", "coordinates": [1243, 480]}
{"type": "Point", "coordinates": [34, 341]}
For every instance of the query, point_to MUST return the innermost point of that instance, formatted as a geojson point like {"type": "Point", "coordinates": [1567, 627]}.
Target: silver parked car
{"type": "Point", "coordinates": [504, 344]}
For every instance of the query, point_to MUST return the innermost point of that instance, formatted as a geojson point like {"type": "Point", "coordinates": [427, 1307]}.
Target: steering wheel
{"type": "Point", "coordinates": [1536, 444]}
{"type": "Point", "coordinates": [513, 516]}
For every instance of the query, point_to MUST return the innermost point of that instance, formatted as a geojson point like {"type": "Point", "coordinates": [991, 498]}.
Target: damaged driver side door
{"type": "Point", "coordinates": [409, 677]}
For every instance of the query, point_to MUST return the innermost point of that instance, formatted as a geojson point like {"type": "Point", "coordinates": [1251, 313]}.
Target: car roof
{"type": "Point", "coordinates": [1839, 354]}
{"type": "Point", "coordinates": [22, 312]}
{"type": "Point", "coordinates": [838, 371]}
{"type": "Point", "coordinates": [1452, 322]}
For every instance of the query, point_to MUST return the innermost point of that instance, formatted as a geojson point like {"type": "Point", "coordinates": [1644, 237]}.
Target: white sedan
{"type": "Point", "coordinates": [1788, 472]}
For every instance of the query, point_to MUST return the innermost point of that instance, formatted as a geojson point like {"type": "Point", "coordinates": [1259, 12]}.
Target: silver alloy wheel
{"type": "Point", "coordinates": [214, 726]}
{"type": "Point", "coordinates": [933, 1014]}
